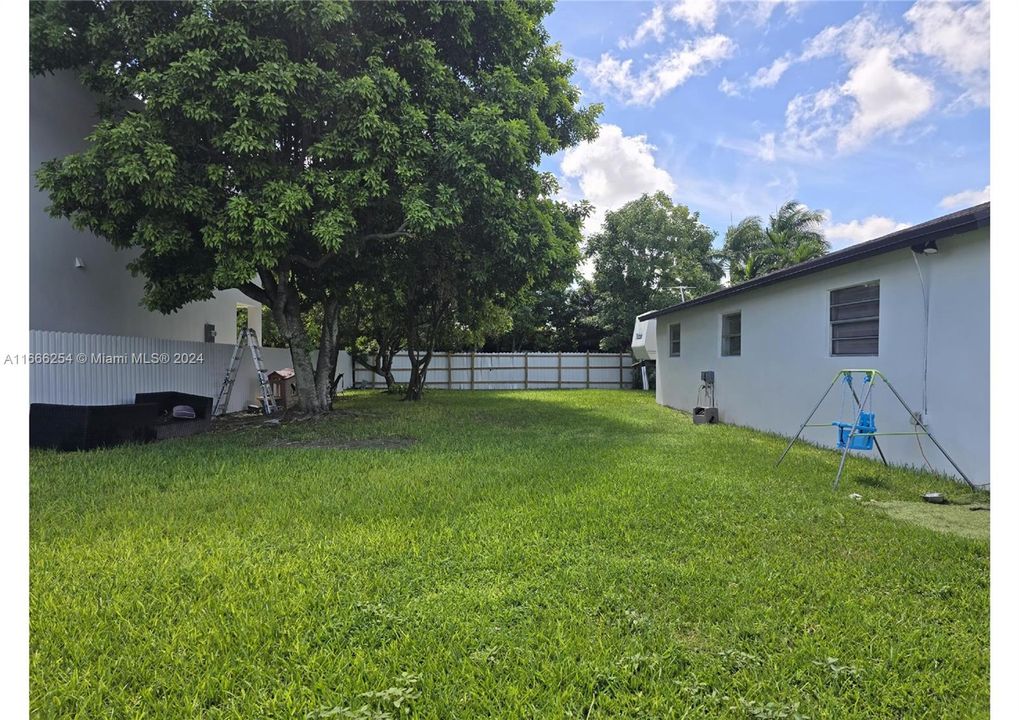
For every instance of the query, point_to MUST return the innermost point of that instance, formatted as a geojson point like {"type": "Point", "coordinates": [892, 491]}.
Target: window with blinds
{"type": "Point", "coordinates": [732, 328]}
{"type": "Point", "coordinates": [854, 315]}
{"type": "Point", "coordinates": [674, 340]}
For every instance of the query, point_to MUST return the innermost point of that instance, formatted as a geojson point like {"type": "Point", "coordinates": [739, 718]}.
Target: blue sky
{"type": "Point", "coordinates": [876, 113]}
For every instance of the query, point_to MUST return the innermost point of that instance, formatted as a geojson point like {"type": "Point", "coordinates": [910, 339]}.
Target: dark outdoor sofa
{"type": "Point", "coordinates": [85, 427]}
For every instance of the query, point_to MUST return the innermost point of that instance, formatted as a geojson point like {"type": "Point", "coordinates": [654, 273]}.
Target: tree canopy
{"type": "Point", "coordinates": [277, 147]}
{"type": "Point", "coordinates": [644, 253]}
{"type": "Point", "coordinates": [793, 235]}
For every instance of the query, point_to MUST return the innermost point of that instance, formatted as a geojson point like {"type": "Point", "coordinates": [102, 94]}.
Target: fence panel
{"type": "Point", "coordinates": [512, 371]}
{"type": "Point", "coordinates": [110, 369]}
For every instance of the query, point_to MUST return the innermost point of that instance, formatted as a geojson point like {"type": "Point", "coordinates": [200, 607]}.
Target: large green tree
{"type": "Point", "coordinates": [793, 235]}
{"type": "Point", "coordinates": [270, 147]}
{"type": "Point", "coordinates": [556, 317]}
{"type": "Point", "coordinates": [644, 253]}
{"type": "Point", "coordinates": [548, 315]}
{"type": "Point", "coordinates": [460, 286]}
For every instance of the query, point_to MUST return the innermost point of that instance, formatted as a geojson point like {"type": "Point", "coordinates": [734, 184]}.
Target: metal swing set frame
{"type": "Point", "coordinates": [870, 377]}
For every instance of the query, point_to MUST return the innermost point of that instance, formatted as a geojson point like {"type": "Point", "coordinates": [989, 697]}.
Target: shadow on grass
{"type": "Point", "coordinates": [872, 481]}
{"type": "Point", "coordinates": [458, 448]}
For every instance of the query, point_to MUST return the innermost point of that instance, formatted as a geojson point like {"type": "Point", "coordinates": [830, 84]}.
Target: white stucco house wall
{"type": "Point", "coordinates": [776, 342]}
{"type": "Point", "coordinates": [82, 297]}
{"type": "Point", "coordinates": [79, 282]}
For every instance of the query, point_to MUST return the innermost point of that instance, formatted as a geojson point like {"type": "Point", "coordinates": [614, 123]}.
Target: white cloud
{"type": "Point", "coordinates": [958, 37]}
{"type": "Point", "coordinates": [729, 87]}
{"type": "Point", "coordinates": [877, 98]}
{"type": "Point", "coordinates": [613, 169]}
{"type": "Point", "coordinates": [770, 75]}
{"type": "Point", "coordinates": [966, 198]}
{"type": "Point", "coordinates": [653, 25]}
{"type": "Point", "coordinates": [666, 73]}
{"type": "Point", "coordinates": [765, 77]}
{"type": "Point", "coordinates": [879, 95]}
{"type": "Point", "coordinates": [886, 99]}
{"type": "Point", "coordinates": [812, 119]}
{"type": "Point", "coordinates": [842, 235]}
{"type": "Point", "coordinates": [956, 33]}
{"type": "Point", "coordinates": [696, 13]}
{"type": "Point", "coordinates": [853, 39]}
{"type": "Point", "coordinates": [884, 95]}
{"type": "Point", "coordinates": [758, 13]}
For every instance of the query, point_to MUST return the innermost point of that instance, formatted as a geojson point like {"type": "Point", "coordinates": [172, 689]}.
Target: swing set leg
{"type": "Point", "coordinates": [842, 464]}
{"type": "Point", "coordinates": [849, 440]}
{"type": "Point", "coordinates": [800, 431]}
{"type": "Point", "coordinates": [928, 434]}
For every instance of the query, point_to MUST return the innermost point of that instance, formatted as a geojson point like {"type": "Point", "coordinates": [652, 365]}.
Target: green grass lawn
{"type": "Point", "coordinates": [496, 554]}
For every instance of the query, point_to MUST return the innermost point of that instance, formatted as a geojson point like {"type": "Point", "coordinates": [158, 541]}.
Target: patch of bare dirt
{"type": "Point", "coordinates": [240, 421]}
{"type": "Point", "coordinates": [378, 443]}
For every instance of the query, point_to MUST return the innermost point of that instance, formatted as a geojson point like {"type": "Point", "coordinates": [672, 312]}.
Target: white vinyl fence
{"type": "Point", "coordinates": [83, 369]}
{"type": "Point", "coordinates": [512, 371]}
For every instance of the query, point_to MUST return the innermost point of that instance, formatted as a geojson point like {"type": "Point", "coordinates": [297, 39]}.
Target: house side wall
{"type": "Point", "coordinates": [785, 364]}
{"type": "Point", "coordinates": [103, 297]}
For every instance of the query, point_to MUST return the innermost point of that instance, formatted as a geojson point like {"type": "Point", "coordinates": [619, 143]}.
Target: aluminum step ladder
{"type": "Point", "coordinates": [245, 336]}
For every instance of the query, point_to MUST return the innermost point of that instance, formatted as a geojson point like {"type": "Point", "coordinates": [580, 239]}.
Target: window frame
{"type": "Point", "coordinates": [726, 338]}
{"type": "Point", "coordinates": [675, 336]}
{"type": "Point", "coordinates": [876, 318]}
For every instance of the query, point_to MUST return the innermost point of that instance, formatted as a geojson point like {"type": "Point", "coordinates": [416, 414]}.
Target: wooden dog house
{"type": "Point", "coordinates": [283, 387]}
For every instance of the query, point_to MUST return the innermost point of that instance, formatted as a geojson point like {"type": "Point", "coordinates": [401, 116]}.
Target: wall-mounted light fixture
{"type": "Point", "coordinates": [928, 248]}
{"type": "Point", "coordinates": [79, 263]}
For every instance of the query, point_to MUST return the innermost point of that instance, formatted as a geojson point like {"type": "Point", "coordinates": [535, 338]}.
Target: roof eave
{"type": "Point", "coordinates": [954, 224]}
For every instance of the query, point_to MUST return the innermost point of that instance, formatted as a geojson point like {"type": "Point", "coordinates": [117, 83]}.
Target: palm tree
{"type": "Point", "coordinates": [798, 231]}
{"type": "Point", "coordinates": [743, 244]}
{"type": "Point", "coordinates": [794, 235]}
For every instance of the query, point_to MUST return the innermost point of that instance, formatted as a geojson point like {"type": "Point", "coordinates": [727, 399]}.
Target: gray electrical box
{"type": "Point", "coordinates": [210, 333]}
{"type": "Point", "coordinates": [705, 415]}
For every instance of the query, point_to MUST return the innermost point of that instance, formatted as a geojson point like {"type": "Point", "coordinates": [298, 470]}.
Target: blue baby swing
{"type": "Point", "coordinates": [863, 437]}
{"type": "Point", "coordinates": [859, 431]}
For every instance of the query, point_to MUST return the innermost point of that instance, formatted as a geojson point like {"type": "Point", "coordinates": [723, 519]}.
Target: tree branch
{"type": "Point", "coordinates": [255, 292]}
{"type": "Point", "coordinates": [316, 264]}
{"type": "Point", "coordinates": [399, 232]}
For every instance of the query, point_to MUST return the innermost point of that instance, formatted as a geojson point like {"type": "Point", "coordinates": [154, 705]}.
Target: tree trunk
{"type": "Point", "coordinates": [312, 385]}
{"type": "Point", "coordinates": [419, 360]}
{"type": "Point", "coordinates": [309, 398]}
{"type": "Point", "coordinates": [381, 365]}
{"type": "Point", "coordinates": [387, 370]}
{"type": "Point", "coordinates": [418, 374]}
{"type": "Point", "coordinates": [328, 353]}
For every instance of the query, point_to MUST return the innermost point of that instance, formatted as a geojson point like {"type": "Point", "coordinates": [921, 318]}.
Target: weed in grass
{"type": "Point", "coordinates": [382, 704]}
{"type": "Point", "coordinates": [771, 711]}
{"type": "Point", "coordinates": [736, 660]}
{"type": "Point", "coordinates": [837, 670]}
{"type": "Point", "coordinates": [486, 654]}
{"type": "Point", "coordinates": [636, 621]}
